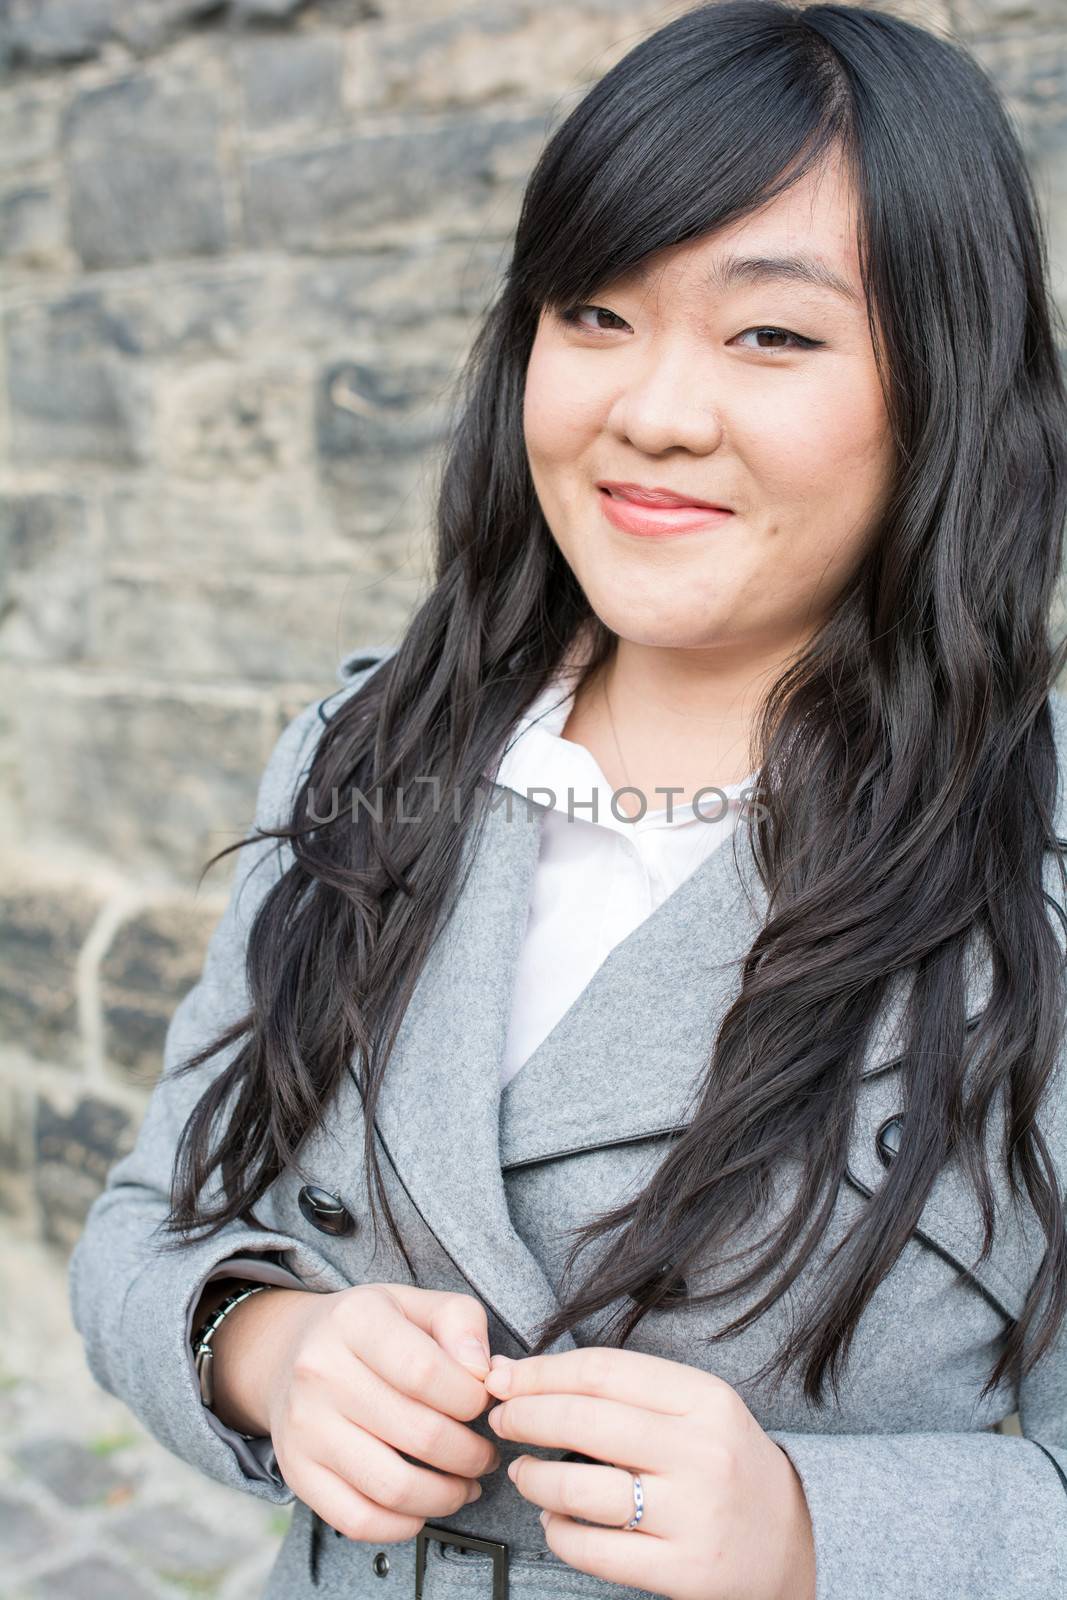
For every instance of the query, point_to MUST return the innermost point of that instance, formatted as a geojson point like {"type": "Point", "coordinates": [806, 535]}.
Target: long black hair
{"type": "Point", "coordinates": [907, 759]}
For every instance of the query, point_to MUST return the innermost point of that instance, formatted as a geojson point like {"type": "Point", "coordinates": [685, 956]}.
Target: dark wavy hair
{"type": "Point", "coordinates": [907, 760]}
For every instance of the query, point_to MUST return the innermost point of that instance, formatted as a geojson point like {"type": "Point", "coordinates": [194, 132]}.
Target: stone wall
{"type": "Point", "coordinates": [243, 250]}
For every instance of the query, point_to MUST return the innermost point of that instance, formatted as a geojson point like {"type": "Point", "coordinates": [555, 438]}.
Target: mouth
{"type": "Point", "coordinates": [659, 520]}
{"type": "Point", "coordinates": [641, 495]}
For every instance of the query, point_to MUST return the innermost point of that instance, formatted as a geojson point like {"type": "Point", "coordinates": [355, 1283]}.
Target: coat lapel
{"type": "Point", "coordinates": [622, 1061]}
{"type": "Point", "coordinates": [439, 1105]}
{"type": "Point", "coordinates": [621, 1064]}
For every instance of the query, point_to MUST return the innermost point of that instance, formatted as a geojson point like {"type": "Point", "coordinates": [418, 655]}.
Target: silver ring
{"type": "Point", "coordinates": [639, 1502]}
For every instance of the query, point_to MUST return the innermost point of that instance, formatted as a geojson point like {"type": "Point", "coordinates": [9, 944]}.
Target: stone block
{"type": "Point", "coordinates": [457, 177]}
{"type": "Point", "coordinates": [45, 576]}
{"type": "Point", "coordinates": [153, 778]}
{"type": "Point", "coordinates": [1031, 74]}
{"type": "Point", "coordinates": [50, 33]}
{"type": "Point", "coordinates": [206, 529]}
{"type": "Point", "coordinates": [178, 1546]}
{"type": "Point", "coordinates": [987, 16]}
{"type": "Point", "coordinates": [24, 1530]}
{"type": "Point", "coordinates": [263, 627]}
{"type": "Point", "coordinates": [266, 10]}
{"type": "Point", "coordinates": [145, 26]}
{"type": "Point", "coordinates": [91, 1577]}
{"type": "Point", "coordinates": [290, 81]}
{"type": "Point", "coordinates": [424, 290]}
{"type": "Point", "coordinates": [485, 53]}
{"type": "Point", "coordinates": [16, 1158]}
{"type": "Point", "coordinates": [75, 1151]}
{"type": "Point", "coordinates": [42, 930]}
{"type": "Point", "coordinates": [380, 411]}
{"type": "Point", "coordinates": [69, 1470]}
{"type": "Point", "coordinates": [143, 172]}
{"type": "Point", "coordinates": [153, 960]}
{"type": "Point", "coordinates": [32, 232]}
{"type": "Point", "coordinates": [29, 120]}
{"type": "Point", "coordinates": [73, 391]}
{"type": "Point", "coordinates": [224, 418]}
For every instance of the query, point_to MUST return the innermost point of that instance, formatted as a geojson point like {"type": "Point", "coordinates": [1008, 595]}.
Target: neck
{"type": "Point", "coordinates": [657, 717]}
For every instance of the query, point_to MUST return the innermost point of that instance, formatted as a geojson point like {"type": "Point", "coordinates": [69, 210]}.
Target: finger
{"type": "Point", "coordinates": [457, 1321]}
{"type": "Point", "coordinates": [383, 1476]}
{"type": "Point", "coordinates": [602, 1495]}
{"type": "Point", "coordinates": [363, 1397]}
{"type": "Point", "coordinates": [345, 1509]}
{"type": "Point", "coordinates": [630, 1436]}
{"type": "Point", "coordinates": [632, 1376]}
{"type": "Point", "coordinates": [375, 1326]}
{"type": "Point", "coordinates": [624, 1556]}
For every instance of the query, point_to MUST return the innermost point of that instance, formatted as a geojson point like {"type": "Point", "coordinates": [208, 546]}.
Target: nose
{"type": "Point", "coordinates": [665, 406]}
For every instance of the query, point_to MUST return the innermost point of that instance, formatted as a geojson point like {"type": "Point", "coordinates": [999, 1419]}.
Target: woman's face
{"type": "Point", "coordinates": [675, 382]}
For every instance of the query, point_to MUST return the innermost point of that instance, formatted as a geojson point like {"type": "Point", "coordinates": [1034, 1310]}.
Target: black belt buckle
{"type": "Point", "coordinates": [466, 1541]}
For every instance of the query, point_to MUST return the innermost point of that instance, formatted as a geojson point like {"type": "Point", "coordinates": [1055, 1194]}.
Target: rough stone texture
{"type": "Point", "coordinates": [129, 145]}
{"type": "Point", "coordinates": [42, 932]}
{"type": "Point", "coordinates": [428, 179]}
{"type": "Point", "coordinates": [244, 245]}
{"type": "Point", "coordinates": [151, 780]}
{"type": "Point", "coordinates": [22, 1528]}
{"type": "Point", "coordinates": [45, 574]}
{"type": "Point", "coordinates": [290, 80]}
{"type": "Point", "coordinates": [69, 1470]}
{"type": "Point", "coordinates": [153, 959]}
{"type": "Point", "coordinates": [91, 1507]}
{"type": "Point", "coordinates": [72, 1153]}
{"type": "Point", "coordinates": [72, 395]}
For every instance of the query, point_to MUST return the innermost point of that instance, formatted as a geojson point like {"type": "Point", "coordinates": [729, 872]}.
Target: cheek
{"type": "Point", "coordinates": [829, 436]}
{"type": "Point", "coordinates": [560, 413]}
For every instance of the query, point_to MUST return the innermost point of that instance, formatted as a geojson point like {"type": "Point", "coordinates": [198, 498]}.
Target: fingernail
{"type": "Point", "coordinates": [473, 1492]}
{"type": "Point", "coordinates": [513, 1468]}
{"type": "Point", "coordinates": [501, 1377]}
{"type": "Point", "coordinates": [474, 1350]}
{"type": "Point", "coordinates": [498, 1361]}
{"type": "Point", "coordinates": [543, 1518]}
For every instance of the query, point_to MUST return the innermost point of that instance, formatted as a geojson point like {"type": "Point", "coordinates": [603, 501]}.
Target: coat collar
{"type": "Point", "coordinates": [452, 1136]}
{"type": "Point", "coordinates": [449, 1132]}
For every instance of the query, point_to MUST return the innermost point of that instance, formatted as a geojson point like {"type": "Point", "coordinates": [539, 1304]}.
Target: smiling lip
{"type": "Point", "coordinates": [659, 520]}
{"type": "Point", "coordinates": [644, 495]}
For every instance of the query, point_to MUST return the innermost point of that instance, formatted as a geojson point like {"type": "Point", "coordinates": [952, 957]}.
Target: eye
{"type": "Point", "coordinates": [800, 342]}
{"type": "Point", "coordinates": [570, 315]}
{"type": "Point", "coordinates": [797, 341]}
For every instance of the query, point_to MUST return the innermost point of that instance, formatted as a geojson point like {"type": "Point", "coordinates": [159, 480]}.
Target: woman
{"type": "Point", "coordinates": [789, 1074]}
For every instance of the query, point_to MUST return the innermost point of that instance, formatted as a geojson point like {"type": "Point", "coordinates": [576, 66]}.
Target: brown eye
{"type": "Point", "coordinates": [571, 315]}
{"type": "Point", "coordinates": [799, 341]}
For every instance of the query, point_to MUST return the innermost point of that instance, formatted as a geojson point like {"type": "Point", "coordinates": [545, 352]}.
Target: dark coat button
{"type": "Point", "coordinates": [887, 1139]}
{"type": "Point", "coordinates": [325, 1211]}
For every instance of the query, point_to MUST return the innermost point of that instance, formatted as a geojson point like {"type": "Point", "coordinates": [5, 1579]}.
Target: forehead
{"type": "Point", "coordinates": [804, 237]}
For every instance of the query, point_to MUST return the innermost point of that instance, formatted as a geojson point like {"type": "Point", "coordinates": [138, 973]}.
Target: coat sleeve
{"type": "Point", "coordinates": [132, 1303]}
{"type": "Point", "coordinates": [963, 1516]}
{"type": "Point", "coordinates": [960, 1516]}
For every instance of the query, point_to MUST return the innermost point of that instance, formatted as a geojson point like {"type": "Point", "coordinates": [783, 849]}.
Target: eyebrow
{"type": "Point", "coordinates": [731, 271]}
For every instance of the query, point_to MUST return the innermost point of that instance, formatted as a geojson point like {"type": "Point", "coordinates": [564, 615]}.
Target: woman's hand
{"type": "Point", "coordinates": [725, 1516]}
{"type": "Point", "coordinates": [350, 1379]}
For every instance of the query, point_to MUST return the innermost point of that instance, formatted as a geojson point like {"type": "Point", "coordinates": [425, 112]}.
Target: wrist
{"type": "Point", "coordinates": [243, 1362]}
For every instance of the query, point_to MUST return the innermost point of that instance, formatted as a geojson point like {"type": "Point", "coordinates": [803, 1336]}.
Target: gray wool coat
{"type": "Point", "coordinates": [913, 1493]}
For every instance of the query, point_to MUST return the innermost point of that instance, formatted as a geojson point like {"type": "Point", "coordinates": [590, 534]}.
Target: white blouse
{"type": "Point", "coordinates": [597, 876]}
